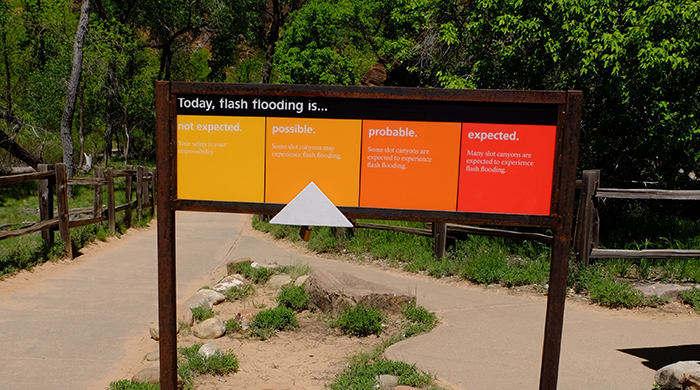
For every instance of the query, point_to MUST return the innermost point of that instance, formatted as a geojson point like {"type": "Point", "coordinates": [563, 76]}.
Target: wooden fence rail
{"type": "Point", "coordinates": [54, 181]}
{"type": "Point", "coordinates": [586, 236]}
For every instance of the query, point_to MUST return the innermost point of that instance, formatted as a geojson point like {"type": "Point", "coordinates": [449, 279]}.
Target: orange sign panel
{"type": "Point", "coordinates": [302, 150]}
{"type": "Point", "coordinates": [506, 168]}
{"type": "Point", "coordinates": [410, 165]}
{"type": "Point", "coordinates": [226, 150]}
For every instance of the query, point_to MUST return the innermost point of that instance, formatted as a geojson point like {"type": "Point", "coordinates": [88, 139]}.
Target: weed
{"type": "Point", "coordinates": [294, 271]}
{"type": "Point", "coordinates": [239, 292]}
{"type": "Point", "coordinates": [265, 323]}
{"type": "Point", "coordinates": [362, 374]}
{"type": "Point", "coordinates": [200, 314]}
{"type": "Point", "coordinates": [129, 385]}
{"type": "Point", "coordinates": [606, 291]}
{"type": "Point", "coordinates": [293, 297]}
{"type": "Point", "coordinates": [420, 319]}
{"type": "Point", "coordinates": [232, 327]}
{"type": "Point", "coordinates": [322, 239]}
{"type": "Point", "coordinates": [256, 275]}
{"type": "Point", "coordinates": [691, 297]}
{"type": "Point", "coordinates": [360, 321]}
{"type": "Point", "coordinates": [191, 363]}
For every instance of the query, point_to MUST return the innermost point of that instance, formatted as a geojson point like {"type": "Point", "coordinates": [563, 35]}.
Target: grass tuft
{"type": "Point", "coordinates": [129, 385]}
{"type": "Point", "coordinates": [239, 292]}
{"type": "Point", "coordinates": [200, 314]}
{"type": "Point", "coordinates": [691, 297]}
{"type": "Point", "coordinates": [293, 297]}
{"type": "Point", "coordinates": [360, 321]}
{"type": "Point", "coordinates": [256, 275]}
{"type": "Point", "coordinates": [191, 363]}
{"type": "Point", "coordinates": [267, 322]}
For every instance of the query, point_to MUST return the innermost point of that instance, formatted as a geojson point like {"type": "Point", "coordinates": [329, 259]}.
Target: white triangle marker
{"type": "Point", "coordinates": [311, 207]}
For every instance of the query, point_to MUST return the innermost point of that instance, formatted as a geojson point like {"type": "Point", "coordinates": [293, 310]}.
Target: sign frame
{"type": "Point", "coordinates": [568, 105]}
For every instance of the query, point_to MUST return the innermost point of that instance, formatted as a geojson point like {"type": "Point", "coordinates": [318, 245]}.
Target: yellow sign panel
{"type": "Point", "coordinates": [304, 150]}
{"type": "Point", "coordinates": [221, 158]}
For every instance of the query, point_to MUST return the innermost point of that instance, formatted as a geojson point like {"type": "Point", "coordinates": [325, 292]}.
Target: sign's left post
{"type": "Point", "coordinates": [165, 160]}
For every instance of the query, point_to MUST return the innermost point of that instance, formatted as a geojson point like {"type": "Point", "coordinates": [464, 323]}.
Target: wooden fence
{"type": "Point", "coordinates": [53, 180]}
{"type": "Point", "coordinates": [586, 235]}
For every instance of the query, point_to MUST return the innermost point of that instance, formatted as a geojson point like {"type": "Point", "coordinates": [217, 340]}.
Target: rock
{"type": "Point", "coordinates": [387, 382]}
{"type": "Point", "coordinates": [402, 387]}
{"type": "Point", "coordinates": [214, 296]}
{"type": "Point", "coordinates": [211, 328]}
{"type": "Point", "coordinates": [198, 300]}
{"type": "Point", "coordinates": [670, 376]}
{"type": "Point", "coordinates": [245, 315]}
{"type": "Point", "coordinates": [148, 375]}
{"type": "Point", "coordinates": [230, 281]}
{"type": "Point", "coordinates": [154, 330]}
{"type": "Point", "coordinates": [663, 290]}
{"type": "Point", "coordinates": [301, 280]}
{"type": "Point", "coordinates": [277, 281]}
{"type": "Point", "coordinates": [691, 380]}
{"type": "Point", "coordinates": [209, 349]}
{"type": "Point", "coordinates": [231, 265]}
{"type": "Point", "coordinates": [153, 356]}
{"type": "Point", "coordinates": [184, 315]}
{"type": "Point", "coordinates": [333, 291]}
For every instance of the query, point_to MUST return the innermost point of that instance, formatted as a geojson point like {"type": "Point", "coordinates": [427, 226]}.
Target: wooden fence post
{"type": "Point", "coordinates": [587, 221]}
{"type": "Point", "coordinates": [144, 190]}
{"type": "Point", "coordinates": [111, 217]}
{"type": "Point", "coordinates": [139, 190]}
{"type": "Point", "coordinates": [45, 205]}
{"type": "Point", "coordinates": [340, 233]}
{"type": "Point", "coordinates": [154, 189]}
{"type": "Point", "coordinates": [97, 205]}
{"type": "Point", "coordinates": [62, 200]}
{"type": "Point", "coordinates": [127, 196]}
{"type": "Point", "coordinates": [440, 237]}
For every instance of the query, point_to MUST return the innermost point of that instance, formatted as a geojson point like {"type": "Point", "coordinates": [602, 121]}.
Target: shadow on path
{"type": "Point", "coordinates": [658, 357]}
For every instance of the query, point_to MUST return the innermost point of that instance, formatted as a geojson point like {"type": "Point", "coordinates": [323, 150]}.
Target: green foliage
{"type": "Point", "coordinates": [232, 326]}
{"type": "Point", "coordinates": [277, 231]}
{"type": "Point", "coordinates": [606, 291]}
{"type": "Point", "coordinates": [691, 297]}
{"type": "Point", "coordinates": [360, 321]}
{"type": "Point", "coordinates": [265, 323]}
{"type": "Point", "coordinates": [256, 275]}
{"type": "Point", "coordinates": [363, 373]}
{"type": "Point", "coordinates": [294, 271]}
{"type": "Point", "coordinates": [191, 363]}
{"type": "Point", "coordinates": [293, 297]}
{"type": "Point", "coordinates": [239, 292]}
{"type": "Point", "coordinates": [129, 385]}
{"type": "Point", "coordinates": [322, 239]}
{"type": "Point", "coordinates": [420, 319]}
{"type": "Point", "coordinates": [200, 314]}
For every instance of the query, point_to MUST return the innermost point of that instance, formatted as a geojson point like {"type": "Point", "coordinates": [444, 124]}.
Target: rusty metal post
{"type": "Point", "coordinates": [62, 201]}
{"type": "Point", "coordinates": [570, 119]}
{"type": "Point", "coordinates": [166, 240]}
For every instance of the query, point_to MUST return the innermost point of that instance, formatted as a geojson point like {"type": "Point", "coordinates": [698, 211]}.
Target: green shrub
{"type": "Point", "coordinates": [192, 363]}
{"type": "Point", "coordinates": [129, 385]}
{"type": "Point", "coordinates": [200, 314]}
{"type": "Point", "coordinates": [256, 275]}
{"type": "Point", "coordinates": [362, 375]}
{"type": "Point", "coordinates": [265, 323]}
{"type": "Point", "coordinates": [360, 321]}
{"type": "Point", "coordinates": [239, 292]}
{"type": "Point", "coordinates": [293, 297]}
{"type": "Point", "coordinates": [420, 319]}
{"type": "Point", "coordinates": [232, 326]}
{"type": "Point", "coordinates": [691, 297]}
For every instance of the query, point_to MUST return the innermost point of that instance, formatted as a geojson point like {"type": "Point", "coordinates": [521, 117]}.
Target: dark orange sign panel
{"type": "Point", "coordinates": [506, 168]}
{"type": "Point", "coordinates": [409, 165]}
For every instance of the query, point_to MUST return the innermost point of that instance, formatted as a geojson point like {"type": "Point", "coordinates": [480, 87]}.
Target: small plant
{"type": "Point", "coordinates": [191, 363]}
{"type": "Point", "coordinates": [232, 326]}
{"type": "Point", "coordinates": [129, 385]}
{"type": "Point", "coordinates": [363, 374]}
{"type": "Point", "coordinates": [691, 297]}
{"type": "Point", "coordinates": [200, 314]}
{"type": "Point", "coordinates": [293, 297]}
{"type": "Point", "coordinates": [239, 292]}
{"type": "Point", "coordinates": [360, 321]}
{"type": "Point", "coordinates": [420, 319]}
{"type": "Point", "coordinates": [265, 323]}
{"type": "Point", "coordinates": [256, 275]}
{"type": "Point", "coordinates": [294, 271]}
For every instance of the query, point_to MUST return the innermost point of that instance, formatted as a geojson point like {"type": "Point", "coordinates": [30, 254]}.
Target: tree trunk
{"type": "Point", "coordinates": [19, 152]}
{"type": "Point", "coordinates": [71, 94]}
{"type": "Point", "coordinates": [272, 39]}
{"type": "Point", "coordinates": [110, 97]}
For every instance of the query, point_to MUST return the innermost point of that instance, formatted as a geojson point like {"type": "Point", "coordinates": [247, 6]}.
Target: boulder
{"type": "Point", "coordinates": [230, 281]}
{"type": "Point", "coordinates": [661, 289]}
{"type": "Point", "coordinates": [387, 382]}
{"type": "Point", "coordinates": [671, 376]}
{"type": "Point", "coordinates": [154, 330]}
{"type": "Point", "coordinates": [231, 265]}
{"type": "Point", "coordinates": [333, 291]}
{"type": "Point", "coordinates": [209, 349]}
{"type": "Point", "coordinates": [301, 280]}
{"type": "Point", "coordinates": [211, 328]}
{"type": "Point", "coordinates": [277, 281]}
{"type": "Point", "coordinates": [148, 375]}
{"type": "Point", "coordinates": [199, 300]}
{"type": "Point", "coordinates": [153, 356]}
{"type": "Point", "coordinates": [214, 296]}
{"type": "Point", "coordinates": [691, 380]}
{"type": "Point", "coordinates": [184, 315]}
